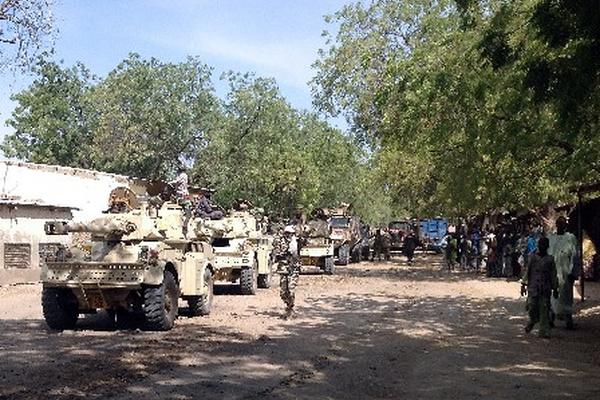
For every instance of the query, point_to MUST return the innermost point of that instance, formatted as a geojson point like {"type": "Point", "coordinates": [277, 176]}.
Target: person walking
{"type": "Point", "coordinates": [377, 245]}
{"type": "Point", "coordinates": [410, 244]}
{"type": "Point", "coordinates": [287, 256]}
{"type": "Point", "coordinates": [451, 250]}
{"type": "Point", "coordinates": [539, 282]}
{"type": "Point", "coordinates": [563, 247]}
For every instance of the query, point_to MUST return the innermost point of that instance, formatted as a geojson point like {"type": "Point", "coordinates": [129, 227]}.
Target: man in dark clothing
{"type": "Point", "coordinates": [377, 245]}
{"type": "Point", "coordinates": [410, 244]}
{"type": "Point", "coordinates": [539, 282]}
{"type": "Point", "coordinates": [204, 209]}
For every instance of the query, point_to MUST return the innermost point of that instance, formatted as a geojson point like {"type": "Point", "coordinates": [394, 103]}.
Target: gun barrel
{"type": "Point", "coordinates": [96, 227]}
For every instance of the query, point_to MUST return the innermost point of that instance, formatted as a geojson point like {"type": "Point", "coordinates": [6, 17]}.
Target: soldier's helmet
{"type": "Point", "coordinates": [289, 229]}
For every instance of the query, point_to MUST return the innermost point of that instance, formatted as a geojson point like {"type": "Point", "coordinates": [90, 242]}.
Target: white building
{"type": "Point", "coordinates": [30, 195]}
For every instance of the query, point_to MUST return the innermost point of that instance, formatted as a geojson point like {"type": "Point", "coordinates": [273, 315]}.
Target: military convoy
{"type": "Point", "coordinates": [137, 266]}
{"type": "Point", "coordinates": [145, 254]}
{"type": "Point", "coordinates": [318, 247]}
{"type": "Point", "coordinates": [242, 252]}
{"type": "Point", "coordinates": [347, 235]}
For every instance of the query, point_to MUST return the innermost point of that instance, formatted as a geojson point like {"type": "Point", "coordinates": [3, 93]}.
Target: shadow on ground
{"type": "Point", "coordinates": [340, 346]}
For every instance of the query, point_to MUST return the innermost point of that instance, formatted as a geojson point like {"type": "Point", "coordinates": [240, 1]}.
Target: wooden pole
{"type": "Point", "coordinates": [580, 243]}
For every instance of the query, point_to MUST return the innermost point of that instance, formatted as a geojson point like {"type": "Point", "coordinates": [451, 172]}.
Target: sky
{"type": "Point", "coordinates": [273, 38]}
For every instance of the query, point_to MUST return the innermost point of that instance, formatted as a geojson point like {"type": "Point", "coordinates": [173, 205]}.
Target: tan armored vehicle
{"type": "Point", "coordinates": [137, 266]}
{"type": "Point", "coordinates": [242, 252]}
{"type": "Point", "coordinates": [346, 235]}
{"type": "Point", "coordinates": [317, 248]}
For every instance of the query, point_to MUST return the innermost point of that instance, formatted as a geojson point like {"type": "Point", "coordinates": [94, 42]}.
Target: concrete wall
{"type": "Point", "coordinates": [47, 185]}
{"type": "Point", "coordinates": [23, 226]}
{"type": "Point", "coordinates": [59, 186]}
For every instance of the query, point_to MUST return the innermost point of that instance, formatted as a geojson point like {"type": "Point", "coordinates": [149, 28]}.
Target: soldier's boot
{"type": "Point", "coordinates": [529, 327]}
{"type": "Point", "coordinates": [289, 312]}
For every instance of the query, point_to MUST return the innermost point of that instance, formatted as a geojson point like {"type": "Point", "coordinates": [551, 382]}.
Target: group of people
{"type": "Point", "coordinates": [550, 273]}
{"type": "Point", "coordinates": [382, 245]}
{"type": "Point", "coordinates": [501, 252]}
{"type": "Point", "coordinates": [198, 206]}
{"type": "Point", "coordinates": [547, 264]}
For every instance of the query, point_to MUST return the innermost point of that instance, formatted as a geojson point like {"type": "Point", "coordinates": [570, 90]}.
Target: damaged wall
{"type": "Point", "coordinates": [30, 195]}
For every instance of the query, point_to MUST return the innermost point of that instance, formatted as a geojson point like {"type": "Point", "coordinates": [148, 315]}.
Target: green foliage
{"type": "Point", "coordinates": [469, 105]}
{"type": "Point", "coordinates": [145, 117]}
{"type": "Point", "coordinates": [278, 158]}
{"type": "Point", "coordinates": [150, 116]}
{"type": "Point", "coordinates": [51, 118]}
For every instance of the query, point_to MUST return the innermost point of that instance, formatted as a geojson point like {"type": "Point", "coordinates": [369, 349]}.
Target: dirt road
{"type": "Point", "coordinates": [372, 331]}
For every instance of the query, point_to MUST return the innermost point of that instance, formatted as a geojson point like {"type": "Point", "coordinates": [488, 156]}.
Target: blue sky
{"type": "Point", "coordinates": [275, 38]}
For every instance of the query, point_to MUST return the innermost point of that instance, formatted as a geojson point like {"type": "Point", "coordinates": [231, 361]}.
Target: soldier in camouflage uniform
{"type": "Point", "coordinates": [377, 245]}
{"type": "Point", "coordinates": [288, 267]}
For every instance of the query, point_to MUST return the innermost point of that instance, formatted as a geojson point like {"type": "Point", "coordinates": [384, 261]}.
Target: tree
{"type": "Point", "coordinates": [52, 117]}
{"type": "Point", "coordinates": [276, 157]}
{"type": "Point", "coordinates": [151, 116]}
{"type": "Point", "coordinates": [445, 93]}
{"type": "Point", "coordinates": [26, 28]}
{"type": "Point", "coordinates": [146, 117]}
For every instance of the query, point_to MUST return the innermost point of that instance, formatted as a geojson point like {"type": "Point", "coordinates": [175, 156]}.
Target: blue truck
{"type": "Point", "coordinates": [430, 231]}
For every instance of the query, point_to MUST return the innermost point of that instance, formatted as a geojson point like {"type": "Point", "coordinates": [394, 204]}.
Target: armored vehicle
{"type": "Point", "coordinates": [242, 252]}
{"type": "Point", "coordinates": [137, 265]}
{"type": "Point", "coordinates": [317, 248]}
{"type": "Point", "coordinates": [346, 234]}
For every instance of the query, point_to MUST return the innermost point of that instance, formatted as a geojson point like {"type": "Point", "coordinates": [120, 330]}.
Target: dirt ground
{"type": "Point", "coordinates": [372, 331]}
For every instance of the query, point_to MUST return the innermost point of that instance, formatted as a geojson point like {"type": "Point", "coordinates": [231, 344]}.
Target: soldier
{"type": "Point", "coordinates": [182, 195]}
{"type": "Point", "coordinates": [377, 245]}
{"type": "Point", "coordinates": [410, 244]}
{"type": "Point", "coordinates": [386, 245]}
{"type": "Point", "coordinates": [180, 184]}
{"type": "Point", "coordinates": [204, 209]}
{"type": "Point", "coordinates": [288, 266]}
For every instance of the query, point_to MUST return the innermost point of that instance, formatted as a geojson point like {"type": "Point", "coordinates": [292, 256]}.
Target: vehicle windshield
{"type": "Point", "coordinates": [339, 222]}
{"type": "Point", "coordinates": [397, 225]}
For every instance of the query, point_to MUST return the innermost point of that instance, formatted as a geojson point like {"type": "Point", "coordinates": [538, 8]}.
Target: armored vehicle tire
{"type": "Point", "coordinates": [344, 254]}
{"type": "Point", "coordinates": [161, 304]}
{"type": "Point", "coordinates": [329, 266]}
{"type": "Point", "coordinates": [202, 305]}
{"type": "Point", "coordinates": [248, 279]}
{"type": "Point", "coordinates": [60, 308]}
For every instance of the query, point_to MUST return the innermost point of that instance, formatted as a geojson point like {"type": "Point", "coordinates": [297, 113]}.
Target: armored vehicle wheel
{"type": "Point", "coordinates": [161, 304]}
{"type": "Point", "coordinates": [248, 279]}
{"type": "Point", "coordinates": [329, 266]}
{"type": "Point", "coordinates": [344, 254]}
{"type": "Point", "coordinates": [60, 308]}
{"type": "Point", "coordinates": [202, 305]}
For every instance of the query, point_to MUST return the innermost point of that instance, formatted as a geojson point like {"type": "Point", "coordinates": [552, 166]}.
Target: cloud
{"type": "Point", "coordinates": [289, 61]}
